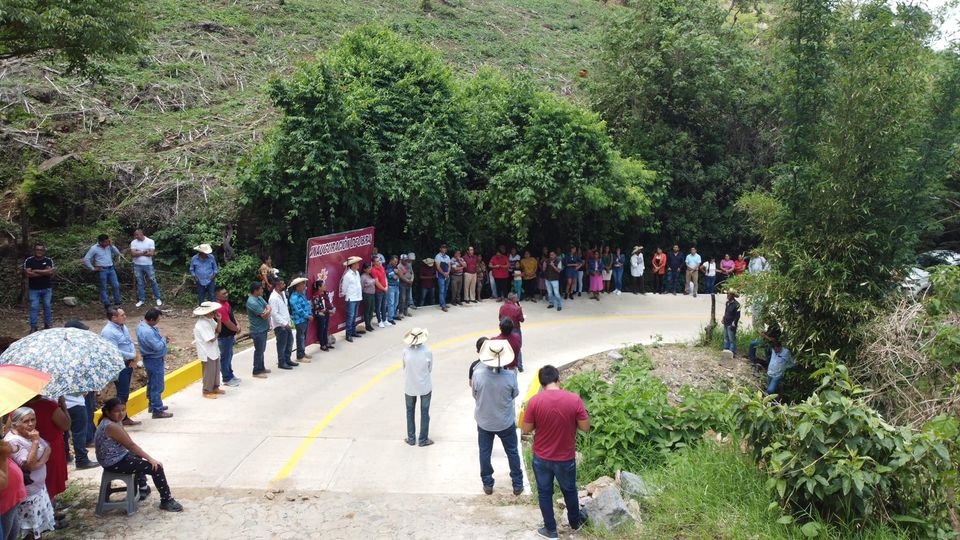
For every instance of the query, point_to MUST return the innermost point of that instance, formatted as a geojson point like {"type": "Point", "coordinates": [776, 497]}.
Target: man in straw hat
{"type": "Point", "coordinates": [205, 333]}
{"type": "Point", "coordinates": [352, 292]}
{"type": "Point", "coordinates": [636, 270]}
{"type": "Point", "coordinates": [417, 365]}
{"type": "Point", "coordinates": [554, 416]}
{"type": "Point", "coordinates": [203, 268]}
{"type": "Point", "coordinates": [494, 389]}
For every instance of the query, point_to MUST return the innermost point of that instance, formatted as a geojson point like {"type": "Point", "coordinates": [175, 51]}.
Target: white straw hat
{"type": "Point", "coordinates": [206, 308]}
{"type": "Point", "coordinates": [416, 336]}
{"type": "Point", "coordinates": [496, 353]}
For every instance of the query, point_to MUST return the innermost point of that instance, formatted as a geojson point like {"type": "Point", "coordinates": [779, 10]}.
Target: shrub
{"type": "Point", "coordinates": [835, 457]}
{"type": "Point", "coordinates": [237, 275]}
{"type": "Point", "coordinates": [70, 193]}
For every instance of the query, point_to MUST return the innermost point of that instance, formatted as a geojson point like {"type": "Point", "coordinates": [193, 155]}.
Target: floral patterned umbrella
{"type": "Point", "coordinates": [76, 360]}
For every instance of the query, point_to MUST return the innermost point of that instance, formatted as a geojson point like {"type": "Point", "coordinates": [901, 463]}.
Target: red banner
{"type": "Point", "coordinates": [325, 257]}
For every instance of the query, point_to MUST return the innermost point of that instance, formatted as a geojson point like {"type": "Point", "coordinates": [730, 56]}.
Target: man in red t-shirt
{"type": "Point", "coordinates": [554, 416]}
{"type": "Point", "coordinates": [511, 309]}
{"type": "Point", "coordinates": [500, 270]}
{"type": "Point", "coordinates": [470, 261]}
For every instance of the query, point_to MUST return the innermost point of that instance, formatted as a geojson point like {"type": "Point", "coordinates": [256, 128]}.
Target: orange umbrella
{"type": "Point", "coordinates": [18, 384]}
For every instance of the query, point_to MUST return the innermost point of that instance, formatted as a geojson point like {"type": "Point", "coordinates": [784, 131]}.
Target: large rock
{"type": "Point", "coordinates": [70, 301]}
{"type": "Point", "coordinates": [633, 486]}
{"type": "Point", "coordinates": [607, 509]}
{"type": "Point", "coordinates": [598, 484]}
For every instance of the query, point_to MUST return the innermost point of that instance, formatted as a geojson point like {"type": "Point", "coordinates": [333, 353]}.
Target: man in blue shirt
{"type": "Point", "coordinates": [116, 332]}
{"type": "Point", "coordinates": [693, 262]}
{"type": "Point", "coordinates": [153, 349]}
{"type": "Point", "coordinates": [203, 268]}
{"type": "Point", "coordinates": [494, 389]}
{"type": "Point", "coordinates": [780, 361]}
{"type": "Point", "coordinates": [100, 259]}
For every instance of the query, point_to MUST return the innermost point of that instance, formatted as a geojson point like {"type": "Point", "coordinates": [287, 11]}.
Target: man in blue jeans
{"type": "Point", "coordinates": [143, 249]}
{"type": "Point", "coordinates": [39, 272]}
{"type": "Point", "coordinates": [116, 332]}
{"type": "Point", "coordinates": [676, 262]}
{"type": "Point", "coordinates": [442, 262]}
{"type": "Point", "coordinates": [99, 258]}
{"type": "Point", "coordinates": [352, 293]}
{"type": "Point", "coordinates": [494, 389]}
{"type": "Point", "coordinates": [153, 350]}
{"type": "Point", "coordinates": [418, 384]}
{"type": "Point", "coordinates": [554, 416]}
{"type": "Point", "coordinates": [203, 268]}
{"type": "Point", "coordinates": [227, 337]}
{"type": "Point", "coordinates": [258, 313]}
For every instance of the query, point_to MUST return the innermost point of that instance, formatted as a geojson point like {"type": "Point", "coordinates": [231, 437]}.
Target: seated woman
{"type": "Point", "coordinates": [117, 453]}
{"type": "Point", "coordinates": [31, 454]}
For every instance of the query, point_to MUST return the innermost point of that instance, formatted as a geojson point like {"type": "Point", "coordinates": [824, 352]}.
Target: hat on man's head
{"type": "Point", "coordinates": [416, 336]}
{"type": "Point", "coordinates": [404, 257]}
{"type": "Point", "coordinates": [203, 248]}
{"type": "Point", "coordinates": [297, 281]}
{"type": "Point", "coordinates": [206, 308]}
{"type": "Point", "coordinates": [353, 259]}
{"type": "Point", "coordinates": [428, 261]}
{"type": "Point", "coordinates": [637, 249]}
{"type": "Point", "coordinates": [496, 353]}
{"type": "Point", "coordinates": [412, 256]}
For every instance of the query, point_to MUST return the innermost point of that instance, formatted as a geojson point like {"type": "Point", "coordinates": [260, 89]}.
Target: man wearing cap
{"type": "Point", "coordinates": [280, 323]}
{"type": "Point", "coordinates": [417, 366]}
{"type": "Point", "coordinates": [636, 270]}
{"type": "Point", "coordinates": [511, 309]}
{"type": "Point", "coordinates": [494, 389]}
{"type": "Point", "coordinates": [443, 263]}
{"type": "Point", "coordinates": [352, 293]}
{"type": "Point", "coordinates": [116, 332]}
{"type": "Point", "coordinates": [258, 313]}
{"type": "Point", "coordinates": [554, 416]}
{"type": "Point", "coordinates": [143, 249]}
{"type": "Point", "coordinates": [208, 351]}
{"type": "Point", "coordinates": [203, 268]}
{"type": "Point", "coordinates": [153, 350]}
{"type": "Point", "coordinates": [99, 258]}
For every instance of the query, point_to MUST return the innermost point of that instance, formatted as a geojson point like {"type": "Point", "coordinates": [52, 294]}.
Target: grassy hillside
{"type": "Point", "coordinates": [180, 115]}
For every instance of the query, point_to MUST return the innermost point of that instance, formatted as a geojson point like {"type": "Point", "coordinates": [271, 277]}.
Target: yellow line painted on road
{"type": "Point", "coordinates": [297, 455]}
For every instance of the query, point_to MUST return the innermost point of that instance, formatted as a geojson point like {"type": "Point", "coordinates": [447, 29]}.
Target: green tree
{"type": "Point", "coordinates": [78, 32]}
{"type": "Point", "coordinates": [682, 88]}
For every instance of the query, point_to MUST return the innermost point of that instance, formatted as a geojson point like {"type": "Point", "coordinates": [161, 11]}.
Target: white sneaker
{"type": "Point", "coordinates": [617, 291]}
{"type": "Point", "coordinates": [159, 302]}
{"type": "Point", "coordinates": [382, 325]}
{"type": "Point", "coordinates": [138, 304]}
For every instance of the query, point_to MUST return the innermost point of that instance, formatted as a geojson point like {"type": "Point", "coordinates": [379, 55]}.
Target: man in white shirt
{"type": "Point", "coordinates": [280, 322]}
{"type": "Point", "coordinates": [352, 293]}
{"type": "Point", "coordinates": [417, 366]}
{"type": "Point", "coordinates": [758, 263]}
{"type": "Point", "coordinates": [208, 351]}
{"type": "Point", "coordinates": [636, 269]}
{"type": "Point", "coordinates": [143, 249]}
{"type": "Point", "coordinates": [709, 269]}
{"type": "Point", "coordinates": [693, 262]}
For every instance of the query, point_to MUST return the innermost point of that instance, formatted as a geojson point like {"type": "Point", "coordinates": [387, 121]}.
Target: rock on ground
{"type": "Point", "coordinates": [607, 510]}
{"type": "Point", "coordinates": [633, 486]}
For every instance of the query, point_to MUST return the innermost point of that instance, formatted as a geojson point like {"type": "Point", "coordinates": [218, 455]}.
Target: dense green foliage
{"type": "Point", "coordinates": [237, 275]}
{"type": "Point", "coordinates": [69, 194]}
{"type": "Point", "coordinates": [377, 131]}
{"type": "Point", "coordinates": [834, 456]}
{"type": "Point", "coordinates": [633, 423]}
{"type": "Point", "coordinates": [79, 32]}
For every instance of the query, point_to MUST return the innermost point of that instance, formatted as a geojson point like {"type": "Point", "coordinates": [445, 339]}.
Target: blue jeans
{"type": "Point", "coordinates": [520, 352]}
{"type": "Point", "coordinates": [155, 383]}
{"type": "Point", "coordinates": [380, 306]}
{"type": "Point", "coordinates": [141, 272]}
{"type": "Point", "coordinates": [730, 338]}
{"type": "Point", "coordinates": [302, 339]}
{"type": "Point", "coordinates": [284, 343]}
{"type": "Point", "coordinates": [91, 406]}
{"type": "Point", "coordinates": [206, 292]}
{"type": "Point", "coordinates": [36, 296]}
{"type": "Point", "coordinates": [618, 279]}
{"type": "Point", "coordinates": [553, 292]}
{"type": "Point", "coordinates": [352, 318]}
{"type": "Point", "coordinates": [424, 417]}
{"type": "Point", "coordinates": [410, 301]}
{"type": "Point", "coordinates": [226, 357]}
{"type": "Point", "coordinates": [442, 285]}
{"type": "Point", "coordinates": [108, 274]}
{"type": "Point", "coordinates": [78, 431]}
{"type": "Point", "coordinates": [323, 325]}
{"type": "Point", "coordinates": [123, 383]}
{"type": "Point", "coordinates": [579, 281]}
{"type": "Point", "coordinates": [773, 383]}
{"type": "Point", "coordinates": [259, 345]}
{"type": "Point", "coordinates": [393, 298]}
{"type": "Point", "coordinates": [711, 282]}
{"type": "Point", "coordinates": [673, 281]}
{"type": "Point", "coordinates": [426, 294]}
{"type": "Point", "coordinates": [565, 472]}
{"type": "Point", "coordinates": [508, 438]}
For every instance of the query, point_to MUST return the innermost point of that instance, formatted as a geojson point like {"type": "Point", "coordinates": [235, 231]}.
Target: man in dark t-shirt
{"type": "Point", "coordinates": [554, 416]}
{"type": "Point", "coordinates": [39, 272]}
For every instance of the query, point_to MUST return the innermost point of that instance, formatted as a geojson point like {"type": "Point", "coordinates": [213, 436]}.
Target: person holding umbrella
{"type": "Point", "coordinates": [116, 332]}
{"type": "Point", "coordinates": [208, 350]}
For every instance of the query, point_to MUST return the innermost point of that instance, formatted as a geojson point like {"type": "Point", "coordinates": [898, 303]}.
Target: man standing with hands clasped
{"type": "Point", "coordinates": [554, 416]}
{"type": "Point", "coordinates": [417, 366]}
{"type": "Point", "coordinates": [494, 389]}
{"type": "Point", "coordinates": [153, 350]}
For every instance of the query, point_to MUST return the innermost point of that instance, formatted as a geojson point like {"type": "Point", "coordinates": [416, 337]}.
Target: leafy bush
{"type": "Point", "coordinates": [237, 275]}
{"type": "Point", "coordinates": [633, 423]}
{"type": "Point", "coordinates": [835, 457]}
{"type": "Point", "coordinates": [70, 193]}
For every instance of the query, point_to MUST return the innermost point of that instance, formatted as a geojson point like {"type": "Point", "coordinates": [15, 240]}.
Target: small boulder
{"type": "Point", "coordinates": [614, 355]}
{"type": "Point", "coordinates": [598, 484]}
{"type": "Point", "coordinates": [70, 301]}
{"type": "Point", "coordinates": [607, 508]}
{"type": "Point", "coordinates": [633, 486]}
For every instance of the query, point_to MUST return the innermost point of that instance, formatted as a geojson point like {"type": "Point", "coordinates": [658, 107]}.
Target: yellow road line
{"type": "Point", "coordinates": [297, 455]}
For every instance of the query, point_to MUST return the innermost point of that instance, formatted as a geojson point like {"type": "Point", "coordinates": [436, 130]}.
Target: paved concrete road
{"type": "Point", "coordinates": [338, 423]}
